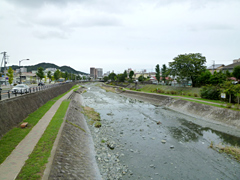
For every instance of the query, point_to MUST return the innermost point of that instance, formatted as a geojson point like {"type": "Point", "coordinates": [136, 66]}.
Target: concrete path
{"type": "Point", "coordinates": [10, 168]}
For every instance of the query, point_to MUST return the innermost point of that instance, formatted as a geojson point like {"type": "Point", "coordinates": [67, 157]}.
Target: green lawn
{"type": "Point", "coordinates": [36, 163]}
{"type": "Point", "coordinates": [11, 139]}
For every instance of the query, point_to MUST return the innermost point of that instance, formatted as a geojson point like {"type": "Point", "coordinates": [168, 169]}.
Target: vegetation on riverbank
{"type": "Point", "coordinates": [234, 151]}
{"type": "Point", "coordinates": [35, 165]}
{"type": "Point", "coordinates": [93, 116]}
{"type": "Point", "coordinates": [108, 89]}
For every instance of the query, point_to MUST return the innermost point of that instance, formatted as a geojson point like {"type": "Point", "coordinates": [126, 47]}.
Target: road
{"type": "Point", "coordinates": [5, 94]}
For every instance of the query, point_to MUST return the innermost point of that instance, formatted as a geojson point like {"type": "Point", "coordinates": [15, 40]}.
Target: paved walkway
{"type": "Point", "coordinates": [10, 168]}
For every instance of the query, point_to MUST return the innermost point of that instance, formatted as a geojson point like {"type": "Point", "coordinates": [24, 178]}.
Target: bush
{"type": "Point", "coordinates": [210, 92]}
{"type": "Point", "coordinates": [160, 91]}
{"type": "Point", "coordinates": [173, 92]}
{"type": "Point", "coordinates": [167, 92]}
{"type": "Point", "coordinates": [229, 105]}
{"type": "Point", "coordinates": [195, 95]}
{"type": "Point", "coordinates": [236, 106]}
{"type": "Point", "coordinates": [189, 94]}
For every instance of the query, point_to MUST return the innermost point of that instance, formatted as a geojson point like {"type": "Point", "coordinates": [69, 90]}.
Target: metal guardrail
{"type": "Point", "coordinates": [6, 94]}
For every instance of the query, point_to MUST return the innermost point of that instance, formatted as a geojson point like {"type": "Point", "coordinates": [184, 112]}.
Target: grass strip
{"type": "Point", "coordinates": [206, 103]}
{"type": "Point", "coordinates": [36, 163]}
{"type": "Point", "coordinates": [76, 126]}
{"type": "Point", "coordinates": [75, 87]}
{"type": "Point", "coordinates": [12, 138]}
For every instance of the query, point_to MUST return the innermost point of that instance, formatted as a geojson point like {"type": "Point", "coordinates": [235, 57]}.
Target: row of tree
{"type": "Point", "coordinates": [192, 67]}
{"type": "Point", "coordinates": [56, 76]}
{"type": "Point", "coordinates": [120, 77]}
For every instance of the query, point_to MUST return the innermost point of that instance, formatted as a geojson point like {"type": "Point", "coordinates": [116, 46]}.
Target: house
{"type": "Point", "coordinates": [215, 67]}
{"type": "Point", "coordinates": [231, 66]}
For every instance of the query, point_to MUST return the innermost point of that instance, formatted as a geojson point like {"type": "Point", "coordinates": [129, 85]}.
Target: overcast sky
{"type": "Point", "coordinates": [118, 34]}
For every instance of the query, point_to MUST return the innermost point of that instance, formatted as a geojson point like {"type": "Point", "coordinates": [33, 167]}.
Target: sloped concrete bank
{"type": "Point", "coordinates": [75, 157]}
{"type": "Point", "coordinates": [215, 115]}
{"type": "Point", "coordinates": [15, 110]}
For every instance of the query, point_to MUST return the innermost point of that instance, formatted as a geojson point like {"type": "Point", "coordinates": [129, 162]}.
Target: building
{"type": "Point", "coordinates": [92, 72]}
{"type": "Point", "coordinates": [215, 67]}
{"type": "Point", "coordinates": [230, 67]}
{"type": "Point", "coordinates": [96, 73]}
{"type": "Point", "coordinates": [99, 72]}
{"type": "Point", "coordinates": [236, 60]}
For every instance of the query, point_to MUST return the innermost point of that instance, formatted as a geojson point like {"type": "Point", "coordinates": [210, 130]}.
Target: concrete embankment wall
{"type": "Point", "coordinates": [209, 113]}
{"type": "Point", "coordinates": [15, 110]}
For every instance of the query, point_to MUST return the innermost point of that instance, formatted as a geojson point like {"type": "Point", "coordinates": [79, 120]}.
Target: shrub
{"type": "Point", "coordinates": [173, 92]}
{"type": "Point", "coordinates": [160, 91]}
{"type": "Point", "coordinates": [167, 92]}
{"type": "Point", "coordinates": [195, 95]}
{"type": "Point", "coordinates": [189, 94]}
{"type": "Point", "coordinates": [236, 106]}
{"type": "Point", "coordinates": [229, 105]}
{"type": "Point", "coordinates": [210, 92]}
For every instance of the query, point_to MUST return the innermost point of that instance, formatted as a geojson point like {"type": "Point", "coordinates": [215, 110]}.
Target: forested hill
{"type": "Point", "coordinates": [49, 65]}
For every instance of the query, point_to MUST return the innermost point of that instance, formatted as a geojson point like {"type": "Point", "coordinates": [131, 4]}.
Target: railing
{"type": "Point", "coordinates": [4, 94]}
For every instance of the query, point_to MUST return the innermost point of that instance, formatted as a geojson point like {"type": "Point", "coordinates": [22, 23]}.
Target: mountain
{"type": "Point", "coordinates": [50, 65]}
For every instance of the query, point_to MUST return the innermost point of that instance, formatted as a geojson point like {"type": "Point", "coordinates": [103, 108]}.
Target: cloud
{"type": "Point", "coordinates": [50, 34]}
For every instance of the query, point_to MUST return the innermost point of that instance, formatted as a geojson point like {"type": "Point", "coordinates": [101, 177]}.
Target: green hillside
{"type": "Point", "coordinates": [50, 65]}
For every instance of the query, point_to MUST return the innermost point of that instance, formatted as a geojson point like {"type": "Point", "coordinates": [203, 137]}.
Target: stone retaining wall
{"type": "Point", "coordinates": [15, 110]}
{"type": "Point", "coordinates": [209, 113]}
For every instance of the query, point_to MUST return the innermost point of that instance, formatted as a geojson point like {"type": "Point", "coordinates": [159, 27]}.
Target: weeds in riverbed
{"type": "Point", "coordinates": [108, 89]}
{"type": "Point", "coordinates": [97, 124]}
{"type": "Point", "coordinates": [234, 151]}
{"type": "Point", "coordinates": [93, 115]}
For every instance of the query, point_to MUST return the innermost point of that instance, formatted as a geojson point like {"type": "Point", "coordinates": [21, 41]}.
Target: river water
{"type": "Point", "coordinates": [175, 148]}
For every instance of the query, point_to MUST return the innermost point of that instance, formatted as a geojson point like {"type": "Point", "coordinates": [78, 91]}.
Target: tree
{"type": "Point", "coordinates": [188, 66]}
{"type": "Point", "coordinates": [125, 74]}
{"type": "Point", "coordinates": [157, 72]}
{"type": "Point", "coordinates": [49, 75]}
{"type": "Point", "coordinates": [105, 78]}
{"type": "Point", "coordinates": [57, 74]}
{"type": "Point", "coordinates": [121, 77]}
{"type": "Point", "coordinates": [228, 88]}
{"type": "Point", "coordinates": [236, 72]}
{"type": "Point", "coordinates": [40, 73]}
{"type": "Point", "coordinates": [84, 77]}
{"type": "Point", "coordinates": [164, 72]}
{"type": "Point", "coordinates": [131, 74]}
{"type": "Point", "coordinates": [79, 77]}
{"type": "Point", "coordinates": [217, 78]}
{"type": "Point", "coordinates": [237, 91]}
{"type": "Point", "coordinates": [10, 75]}
{"type": "Point", "coordinates": [228, 74]}
{"type": "Point", "coordinates": [204, 78]}
{"type": "Point", "coordinates": [141, 78]}
{"type": "Point", "coordinates": [112, 76]}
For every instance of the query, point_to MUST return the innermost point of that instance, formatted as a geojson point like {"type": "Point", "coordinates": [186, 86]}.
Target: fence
{"type": "Point", "coordinates": [9, 93]}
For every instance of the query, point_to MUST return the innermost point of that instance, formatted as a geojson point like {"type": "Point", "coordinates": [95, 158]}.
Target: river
{"type": "Point", "coordinates": [154, 142]}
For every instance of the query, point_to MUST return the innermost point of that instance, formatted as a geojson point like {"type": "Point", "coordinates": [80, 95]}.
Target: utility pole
{"type": "Point", "coordinates": [4, 60]}
{"type": "Point", "coordinates": [213, 67]}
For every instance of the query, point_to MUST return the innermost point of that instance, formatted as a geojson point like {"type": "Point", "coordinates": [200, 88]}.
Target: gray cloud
{"type": "Point", "coordinates": [50, 34]}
